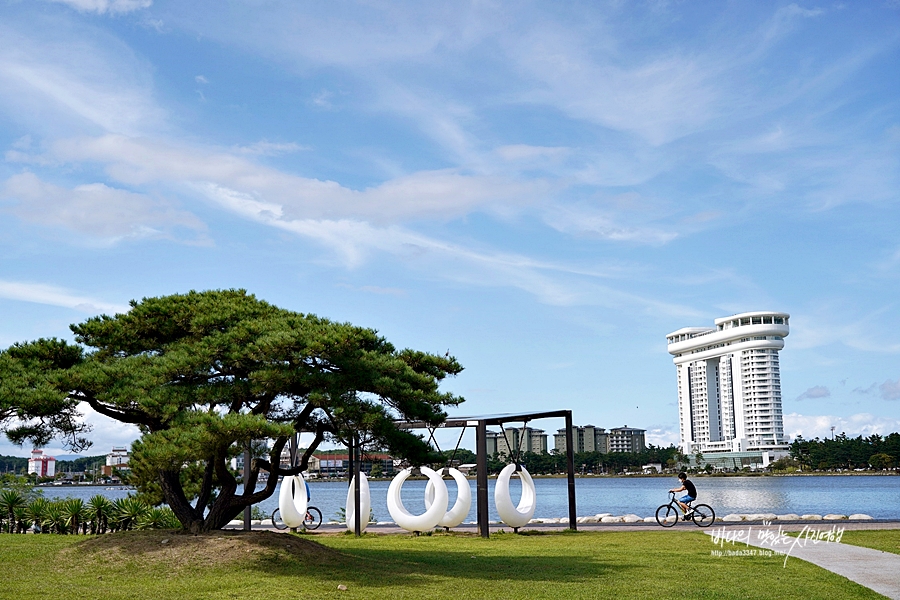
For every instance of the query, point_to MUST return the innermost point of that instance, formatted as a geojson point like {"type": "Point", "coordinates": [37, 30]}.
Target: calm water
{"type": "Point", "coordinates": [877, 496]}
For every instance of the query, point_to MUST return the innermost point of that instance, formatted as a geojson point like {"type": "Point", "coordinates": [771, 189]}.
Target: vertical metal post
{"type": "Point", "coordinates": [293, 447]}
{"type": "Point", "coordinates": [570, 467]}
{"type": "Point", "coordinates": [481, 491]}
{"type": "Point", "coordinates": [357, 517]}
{"type": "Point", "coordinates": [246, 484]}
{"type": "Point", "coordinates": [349, 463]}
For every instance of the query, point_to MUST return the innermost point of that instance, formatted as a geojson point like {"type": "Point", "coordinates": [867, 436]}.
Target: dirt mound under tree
{"type": "Point", "coordinates": [180, 550]}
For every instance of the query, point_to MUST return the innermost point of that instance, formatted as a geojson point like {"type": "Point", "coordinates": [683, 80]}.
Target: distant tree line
{"type": "Point", "coordinates": [844, 452]}
{"type": "Point", "coordinates": [13, 464]}
{"type": "Point", "coordinates": [19, 465]}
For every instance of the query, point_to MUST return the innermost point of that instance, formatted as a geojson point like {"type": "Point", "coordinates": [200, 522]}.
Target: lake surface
{"type": "Point", "coordinates": [874, 495]}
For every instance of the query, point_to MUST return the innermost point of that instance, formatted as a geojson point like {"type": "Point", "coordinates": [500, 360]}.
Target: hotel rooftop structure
{"type": "Point", "coordinates": [729, 384]}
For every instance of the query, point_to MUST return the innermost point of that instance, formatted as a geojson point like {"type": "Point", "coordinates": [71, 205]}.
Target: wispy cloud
{"type": "Point", "coordinates": [72, 78]}
{"type": "Point", "coordinates": [106, 6]}
{"type": "Point", "coordinates": [815, 392]}
{"type": "Point", "coordinates": [266, 148]}
{"type": "Point", "coordinates": [40, 293]}
{"type": "Point", "coordinates": [102, 213]}
{"type": "Point", "coordinates": [833, 323]}
{"type": "Point", "coordinates": [890, 390]}
{"type": "Point", "coordinates": [607, 222]}
{"type": "Point", "coordinates": [439, 193]}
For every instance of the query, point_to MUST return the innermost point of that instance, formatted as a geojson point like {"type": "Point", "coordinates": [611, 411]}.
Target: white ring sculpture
{"type": "Point", "coordinates": [292, 501]}
{"type": "Point", "coordinates": [365, 504]}
{"type": "Point", "coordinates": [432, 516]}
{"type": "Point", "coordinates": [461, 507]}
{"type": "Point", "coordinates": [514, 516]}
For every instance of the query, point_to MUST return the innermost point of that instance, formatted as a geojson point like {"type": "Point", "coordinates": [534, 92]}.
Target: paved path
{"type": "Point", "coordinates": [877, 570]}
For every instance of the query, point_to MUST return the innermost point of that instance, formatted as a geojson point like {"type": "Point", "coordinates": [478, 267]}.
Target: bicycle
{"type": "Point", "coordinates": [311, 521]}
{"type": "Point", "coordinates": [702, 514]}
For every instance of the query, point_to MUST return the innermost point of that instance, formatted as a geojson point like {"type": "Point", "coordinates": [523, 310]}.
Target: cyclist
{"type": "Point", "coordinates": [686, 486]}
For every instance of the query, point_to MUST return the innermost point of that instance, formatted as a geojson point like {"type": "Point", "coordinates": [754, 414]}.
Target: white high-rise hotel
{"type": "Point", "coordinates": [729, 385]}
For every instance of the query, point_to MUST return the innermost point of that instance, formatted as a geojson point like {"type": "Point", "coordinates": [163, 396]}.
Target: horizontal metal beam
{"type": "Point", "coordinates": [451, 422]}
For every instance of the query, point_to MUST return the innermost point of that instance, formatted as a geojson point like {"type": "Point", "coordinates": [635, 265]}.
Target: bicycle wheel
{"type": "Point", "coordinates": [276, 520]}
{"type": "Point", "coordinates": [703, 516]}
{"type": "Point", "coordinates": [313, 518]}
{"type": "Point", "coordinates": [667, 515]}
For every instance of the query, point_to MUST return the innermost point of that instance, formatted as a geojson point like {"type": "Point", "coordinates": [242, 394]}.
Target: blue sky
{"type": "Point", "coordinates": [544, 189]}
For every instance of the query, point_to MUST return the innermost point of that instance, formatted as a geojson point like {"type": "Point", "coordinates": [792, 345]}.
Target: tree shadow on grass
{"type": "Point", "coordinates": [371, 561]}
{"type": "Point", "coordinates": [392, 566]}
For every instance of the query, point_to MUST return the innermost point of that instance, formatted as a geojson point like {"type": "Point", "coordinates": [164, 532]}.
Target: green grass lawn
{"type": "Point", "coordinates": [886, 540]}
{"type": "Point", "coordinates": [620, 565]}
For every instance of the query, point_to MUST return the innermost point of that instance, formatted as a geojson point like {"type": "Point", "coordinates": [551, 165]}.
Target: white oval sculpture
{"type": "Point", "coordinates": [514, 516]}
{"type": "Point", "coordinates": [365, 504]}
{"type": "Point", "coordinates": [292, 501]}
{"type": "Point", "coordinates": [461, 507]}
{"type": "Point", "coordinates": [432, 516]}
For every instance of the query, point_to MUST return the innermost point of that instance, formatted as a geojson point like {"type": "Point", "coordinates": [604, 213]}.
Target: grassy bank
{"type": "Point", "coordinates": [887, 540]}
{"type": "Point", "coordinates": [653, 564]}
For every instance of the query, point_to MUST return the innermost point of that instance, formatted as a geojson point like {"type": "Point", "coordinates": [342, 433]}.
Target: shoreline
{"type": "Point", "coordinates": [649, 476]}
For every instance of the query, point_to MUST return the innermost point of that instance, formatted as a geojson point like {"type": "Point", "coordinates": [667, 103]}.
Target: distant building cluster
{"type": "Point", "coordinates": [514, 440]}
{"type": "Point", "coordinates": [588, 438]}
{"type": "Point", "coordinates": [337, 464]}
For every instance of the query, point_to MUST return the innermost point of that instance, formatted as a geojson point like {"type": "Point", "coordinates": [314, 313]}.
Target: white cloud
{"type": "Point", "coordinates": [105, 434]}
{"type": "Point", "coordinates": [104, 213]}
{"type": "Point", "coordinates": [662, 436]}
{"type": "Point", "coordinates": [40, 293]}
{"type": "Point", "coordinates": [864, 424]}
{"type": "Point", "coordinates": [106, 6]}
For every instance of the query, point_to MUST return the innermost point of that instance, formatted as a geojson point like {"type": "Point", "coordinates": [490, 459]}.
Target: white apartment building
{"type": "Point", "coordinates": [729, 384]}
{"type": "Point", "coordinates": [118, 457]}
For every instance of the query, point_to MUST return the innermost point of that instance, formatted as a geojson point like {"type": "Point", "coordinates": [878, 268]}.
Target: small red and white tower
{"type": "Point", "coordinates": [43, 466]}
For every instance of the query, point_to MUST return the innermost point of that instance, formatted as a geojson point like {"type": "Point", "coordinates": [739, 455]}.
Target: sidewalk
{"type": "Point", "coordinates": [874, 569]}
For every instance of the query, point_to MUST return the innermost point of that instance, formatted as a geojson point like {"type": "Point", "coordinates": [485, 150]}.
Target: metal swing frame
{"type": "Point", "coordinates": [481, 423]}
